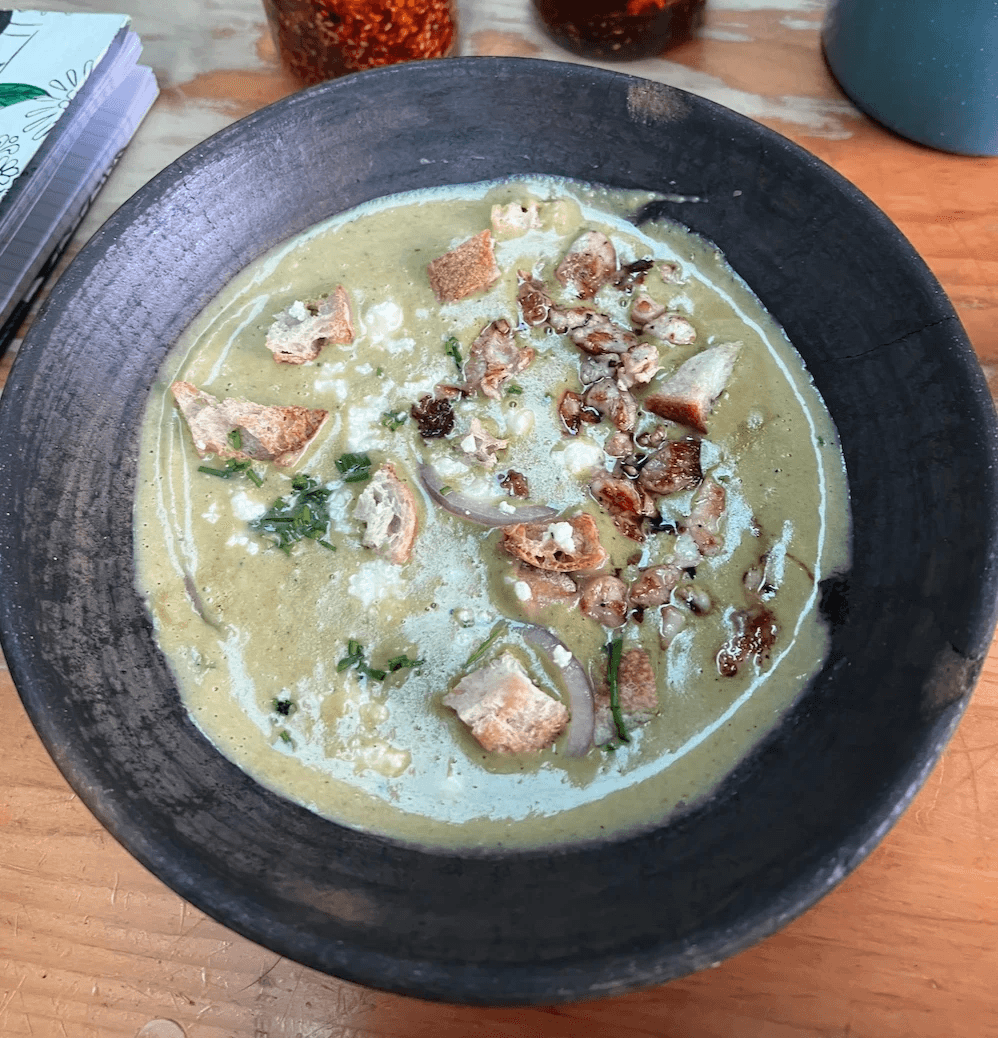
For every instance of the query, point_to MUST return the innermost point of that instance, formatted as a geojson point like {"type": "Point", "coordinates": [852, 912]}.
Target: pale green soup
{"type": "Point", "coordinates": [243, 624]}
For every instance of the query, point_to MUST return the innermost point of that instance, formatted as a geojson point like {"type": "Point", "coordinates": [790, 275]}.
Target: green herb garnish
{"type": "Point", "coordinates": [615, 649]}
{"type": "Point", "coordinates": [235, 439]}
{"type": "Point", "coordinates": [484, 647]}
{"type": "Point", "coordinates": [284, 707]}
{"type": "Point", "coordinates": [234, 468]}
{"type": "Point", "coordinates": [355, 658]}
{"type": "Point", "coordinates": [354, 468]}
{"type": "Point", "coordinates": [398, 662]}
{"type": "Point", "coordinates": [393, 419]}
{"type": "Point", "coordinates": [453, 350]}
{"type": "Point", "coordinates": [303, 516]}
{"type": "Point", "coordinates": [286, 737]}
{"type": "Point", "coordinates": [513, 389]}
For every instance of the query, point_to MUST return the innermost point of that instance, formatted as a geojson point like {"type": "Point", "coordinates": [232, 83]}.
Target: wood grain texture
{"type": "Point", "coordinates": [93, 946]}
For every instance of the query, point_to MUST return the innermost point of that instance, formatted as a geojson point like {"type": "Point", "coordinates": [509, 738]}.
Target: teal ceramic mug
{"type": "Point", "coordinates": [927, 69]}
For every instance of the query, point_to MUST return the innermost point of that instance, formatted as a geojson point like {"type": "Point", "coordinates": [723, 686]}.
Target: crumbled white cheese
{"type": "Point", "coordinates": [561, 656]}
{"type": "Point", "coordinates": [563, 535]}
{"type": "Point", "coordinates": [522, 591]}
{"type": "Point", "coordinates": [382, 319]}
{"type": "Point", "coordinates": [450, 467]}
{"type": "Point", "coordinates": [506, 508]}
{"type": "Point", "coordinates": [245, 507]}
{"type": "Point", "coordinates": [469, 444]}
{"type": "Point", "coordinates": [519, 421]}
{"type": "Point", "coordinates": [580, 456]}
{"type": "Point", "coordinates": [298, 311]}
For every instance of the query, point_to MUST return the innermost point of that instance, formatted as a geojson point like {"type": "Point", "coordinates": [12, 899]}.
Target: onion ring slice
{"type": "Point", "coordinates": [474, 510]}
{"type": "Point", "coordinates": [581, 725]}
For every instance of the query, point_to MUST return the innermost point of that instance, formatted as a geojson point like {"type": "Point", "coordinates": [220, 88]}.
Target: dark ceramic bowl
{"type": "Point", "coordinates": [911, 621]}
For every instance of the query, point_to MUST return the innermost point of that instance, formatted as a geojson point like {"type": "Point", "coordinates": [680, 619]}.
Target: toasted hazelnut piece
{"type": "Point", "coordinates": [614, 403]}
{"type": "Point", "coordinates": [704, 522]}
{"type": "Point", "coordinates": [565, 546]}
{"type": "Point", "coordinates": [604, 599]}
{"type": "Point", "coordinates": [597, 334]}
{"type": "Point", "coordinates": [267, 432]}
{"type": "Point", "coordinates": [535, 303]}
{"type": "Point", "coordinates": [645, 309]}
{"type": "Point", "coordinates": [673, 467]}
{"type": "Point", "coordinates": [588, 265]}
{"type": "Point", "coordinates": [494, 358]}
{"type": "Point", "coordinates": [481, 445]}
{"type": "Point", "coordinates": [688, 395]}
{"type": "Point", "coordinates": [505, 710]}
{"type": "Point", "coordinates": [638, 365]}
{"type": "Point", "coordinates": [465, 270]}
{"type": "Point", "coordinates": [654, 585]}
{"type": "Point", "coordinates": [300, 331]}
{"type": "Point", "coordinates": [672, 328]}
{"type": "Point", "coordinates": [388, 508]}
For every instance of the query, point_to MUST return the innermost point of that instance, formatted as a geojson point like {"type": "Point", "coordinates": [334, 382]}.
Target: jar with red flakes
{"type": "Point", "coordinates": [610, 30]}
{"type": "Point", "coordinates": [322, 39]}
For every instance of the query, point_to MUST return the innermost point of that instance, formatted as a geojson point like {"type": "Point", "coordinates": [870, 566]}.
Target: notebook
{"type": "Point", "coordinates": [72, 95]}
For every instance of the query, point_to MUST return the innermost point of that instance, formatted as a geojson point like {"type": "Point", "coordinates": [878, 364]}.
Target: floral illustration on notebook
{"type": "Point", "coordinates": [45, 58]}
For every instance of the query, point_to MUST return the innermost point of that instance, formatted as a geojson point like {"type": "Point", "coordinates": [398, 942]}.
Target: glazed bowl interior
{"type": "Point", "coordinates": [910, 620]}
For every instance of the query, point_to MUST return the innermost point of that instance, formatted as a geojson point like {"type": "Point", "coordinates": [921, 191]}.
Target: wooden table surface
{"type": "Point", "coordinates": [93, 946]}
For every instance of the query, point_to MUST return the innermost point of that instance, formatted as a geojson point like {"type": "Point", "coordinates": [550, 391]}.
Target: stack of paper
{"type": "Point", "coordinates": [71, 97]}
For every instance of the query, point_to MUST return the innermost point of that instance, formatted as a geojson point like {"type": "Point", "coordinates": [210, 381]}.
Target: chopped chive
{"type": "Point", "coordinates": [354, 468]}
{"type": "Point", "coordinates": [484, 647]}
{"type": "Point", "coordinates": [615, 649]}
{"type": "Point", "coordinates": [235, 439]}
{"type": "Point", "coordinates": [453, 350]}
{"type": "Point", "coordinates": [398, 662]}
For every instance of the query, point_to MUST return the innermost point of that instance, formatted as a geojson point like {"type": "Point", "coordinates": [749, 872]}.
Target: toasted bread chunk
{"type": "Point", "coordinates": [463, 271]}
{"type": "Point", "coordinates": [588, 265]}
{"type": "Point", "coordinates": [688, 395]}
{"type": "Point", "coordinates": [566, 546]}
{"type": "Point", "coordinates": [389, 509]}
{"type": "Point", "coordinates": [505, 710]}
{"type": "Point", "coordinates": [267, 432]}
{"type": "Point", "coordinates": [300, 331]}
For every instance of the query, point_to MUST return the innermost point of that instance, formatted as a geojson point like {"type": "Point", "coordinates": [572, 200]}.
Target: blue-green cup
{"type": "Point", "coordinates": [927, 69]}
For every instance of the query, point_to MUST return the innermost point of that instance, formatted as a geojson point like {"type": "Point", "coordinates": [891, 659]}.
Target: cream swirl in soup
{"type": "Point", "coordinates": [483, 516]}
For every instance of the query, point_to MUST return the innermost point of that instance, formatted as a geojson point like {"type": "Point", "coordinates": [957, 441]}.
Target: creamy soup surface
{"type": "Point", "coordinates": [322, 668]}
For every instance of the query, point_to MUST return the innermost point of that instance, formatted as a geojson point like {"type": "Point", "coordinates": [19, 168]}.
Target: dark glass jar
{"type": "Point", "coordinates": [322, 39]}
{"type": "Point", "coordinates": [608, 30]}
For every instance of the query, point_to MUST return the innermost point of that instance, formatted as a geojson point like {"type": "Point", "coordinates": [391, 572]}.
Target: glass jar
{"type": "Point", "coordinates": [608, 30]}
{"type": "Point", "coordinates": [322, 39]}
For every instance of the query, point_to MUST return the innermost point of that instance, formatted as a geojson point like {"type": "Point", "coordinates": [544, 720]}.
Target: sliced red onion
{"type": "Point", "coordinates": [579, 737]}
{"type": "Point", "coordinates": [475, 510]}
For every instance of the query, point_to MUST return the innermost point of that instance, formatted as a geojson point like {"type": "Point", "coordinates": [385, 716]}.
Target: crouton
{"type": "Point", "coordinates": [505, 710]}
{"type": "Point", "coordinates": [299, 332]}
{"type": "Point", "coordinates": [566, 546]}
{"type": "Point", "coordinates": [688, 395]}
{"type": "Point", "coordinates": [388, 508]}
{"type": "Point", "coordinates": [465, 270]}
{"type": "Point", "coordinates": [266, 432]}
